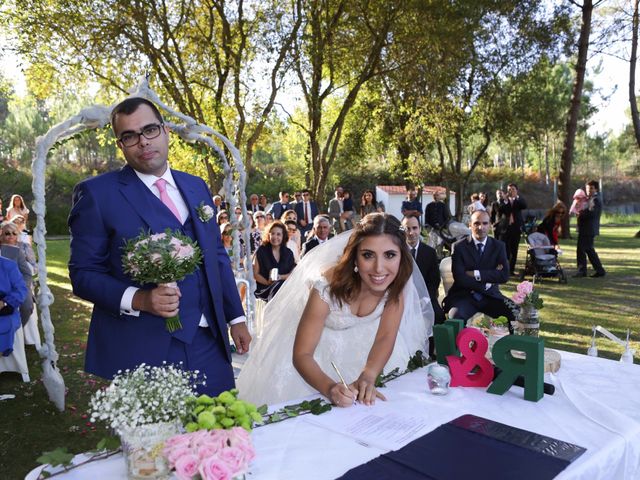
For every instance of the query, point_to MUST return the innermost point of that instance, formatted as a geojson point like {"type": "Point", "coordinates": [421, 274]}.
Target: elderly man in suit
{"type": "Point", "coordinates": [321, 228]}
{"type": "Point", "coordinates": [128, 320]}
{"type": "Point", "coordinates": [479, 264]}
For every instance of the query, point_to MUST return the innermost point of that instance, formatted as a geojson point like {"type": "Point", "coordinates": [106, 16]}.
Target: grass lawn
{"type": "Point", "coordinates": [32, 425]}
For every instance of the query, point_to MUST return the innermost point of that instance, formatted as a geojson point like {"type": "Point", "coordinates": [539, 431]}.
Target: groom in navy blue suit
{"type": "Point", "coordinates": [127, 324]}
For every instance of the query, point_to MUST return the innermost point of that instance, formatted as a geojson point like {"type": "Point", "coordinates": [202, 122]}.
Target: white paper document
{"type": "Point", "coordinates": [374, 426]}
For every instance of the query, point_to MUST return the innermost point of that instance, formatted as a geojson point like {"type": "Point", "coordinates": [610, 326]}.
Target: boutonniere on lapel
{"type": "Point", "coordinates": [205, 212]}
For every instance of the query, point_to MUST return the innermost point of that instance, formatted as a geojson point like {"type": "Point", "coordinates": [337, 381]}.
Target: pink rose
{"type": "Point", "coordinates": [525, 287]}
{"type": "Point", "coordinates": [518, 298]}
{"type": "Point", "coordinates": [207, 451]}
{"type": "Point", "coordinates": [184, 251]}
{"type": "Point", "coordinates": [238, 435]}
{"type": "Point", "coordinates": [187, 466]}
{"type": "Point", "coordinates": [155, 257]}
{"type": "Point", "coordinates": [234, 457]}
{"type": "Point", "coordinates": [214, 469]}
{"type": "Point", "coordinates": [176, 452]}
{"type": "Point", "coordinates": [181, 439]}
{"type": "Point", "coordinates": [249, 452]}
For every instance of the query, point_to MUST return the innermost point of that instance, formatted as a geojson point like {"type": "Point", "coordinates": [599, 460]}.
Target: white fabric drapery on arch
{"type": "Point", "coordinates": [94, 117]}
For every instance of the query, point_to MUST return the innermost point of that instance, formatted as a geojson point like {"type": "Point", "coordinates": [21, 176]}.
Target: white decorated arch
{"type": "Point", "coordinates": [97, 116]}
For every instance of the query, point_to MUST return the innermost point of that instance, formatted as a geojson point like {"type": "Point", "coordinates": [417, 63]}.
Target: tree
{"type": "Point", "coordinates": [337, 52]}
{"type": "Point", "coordinates": [203, 53]}
{"type": "Point", "coordinates": [564, 177]}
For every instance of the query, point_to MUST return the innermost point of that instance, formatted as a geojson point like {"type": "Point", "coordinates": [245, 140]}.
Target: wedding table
{"type": "Point", "coordinates": [596, 405]}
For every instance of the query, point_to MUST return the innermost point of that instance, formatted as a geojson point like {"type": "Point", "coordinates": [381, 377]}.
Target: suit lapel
{"type": "Point", "coordinates": [142, 201]}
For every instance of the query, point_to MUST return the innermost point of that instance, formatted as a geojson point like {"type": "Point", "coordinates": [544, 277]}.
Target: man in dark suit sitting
{"type": "Point", "coordinates": [321, 228]}
{"type": "Point", "coordinates": [479, 264]}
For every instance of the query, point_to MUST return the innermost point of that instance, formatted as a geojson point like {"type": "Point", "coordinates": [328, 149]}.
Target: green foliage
{"type": "Point", "coordinates": [317, 406]}
{"type": "Point", "coordinates": [59, 456]}
{"type": "Point", "coordinates": [222, 412]}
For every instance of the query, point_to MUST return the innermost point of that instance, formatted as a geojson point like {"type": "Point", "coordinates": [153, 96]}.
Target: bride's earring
{"type": "Point", "coordinates": [355, 269]}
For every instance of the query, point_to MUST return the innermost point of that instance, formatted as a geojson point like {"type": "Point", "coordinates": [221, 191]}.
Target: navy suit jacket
{"type": "Point", "coordinates": [313, 211]}
{"type": "Point", "coordinates": [466, 257]}
{"type": "Point", "coordinates": [107, 211]}
{"type": "Point", "coordinates": [589, 218]}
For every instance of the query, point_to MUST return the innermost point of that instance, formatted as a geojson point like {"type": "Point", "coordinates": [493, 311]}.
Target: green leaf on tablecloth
{"type": "Point", "coordinates": [56, 457]}
{"type": "Point", "coordinates": [275, 418]}
{"type": "Point", "coordinates": [108, 443]}
{"type": "Point", "coordinates": [262, 409]}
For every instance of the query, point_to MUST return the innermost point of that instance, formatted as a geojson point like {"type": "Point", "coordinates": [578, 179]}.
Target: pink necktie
{"type": "Point", "coordinates": [161, 185]}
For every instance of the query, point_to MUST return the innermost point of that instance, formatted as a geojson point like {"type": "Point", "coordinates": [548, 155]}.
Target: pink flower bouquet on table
{"type": "Point", "coordinates": [210, 454]}
{"type": "Point", "coordinates": [526, 296]}
{"type": "Point", "coordinates": [163, 259]}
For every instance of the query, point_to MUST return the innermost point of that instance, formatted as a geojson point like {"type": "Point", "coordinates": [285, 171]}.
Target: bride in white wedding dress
{"type": "Point", "coordinates": [354, 300]}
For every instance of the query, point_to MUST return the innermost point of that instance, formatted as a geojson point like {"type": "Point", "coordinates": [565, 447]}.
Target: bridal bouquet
{"type": "Point", "coordinates": [210, 454]}
{"type": "Point", "coordinates": [163, 259]}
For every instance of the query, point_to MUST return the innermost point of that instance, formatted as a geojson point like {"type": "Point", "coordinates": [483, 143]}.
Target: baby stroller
{"type": "Point", "coordinates": [542, 259]}
{"type": "Point", "coordinates": [442, 239]}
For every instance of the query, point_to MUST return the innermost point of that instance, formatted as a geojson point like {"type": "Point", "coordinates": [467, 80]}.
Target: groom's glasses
{"type": "Point", "coordinates": [130, 139]}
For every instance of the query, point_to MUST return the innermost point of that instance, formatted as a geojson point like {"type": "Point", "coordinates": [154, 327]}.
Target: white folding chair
{"type": "Point", "coordinates": [17, 361]}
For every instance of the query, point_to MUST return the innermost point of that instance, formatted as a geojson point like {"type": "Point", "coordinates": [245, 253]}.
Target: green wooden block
{"type": "Point", "coordinates": [531, 367]}
{"type": "Point", "coordinates": [445, 339]}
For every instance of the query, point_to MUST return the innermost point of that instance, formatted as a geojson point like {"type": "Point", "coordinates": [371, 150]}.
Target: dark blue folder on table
{"type": "Point", "coordinates": [472, 447]}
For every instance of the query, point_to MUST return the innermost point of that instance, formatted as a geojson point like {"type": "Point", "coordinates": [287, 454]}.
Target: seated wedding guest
{"type": "Point", "coordinates": [297, 198]}
{"type": "Point", "coordinates": [218, 204]}
{"type": "Point", "coordinates": [257, 227]}
{"type": "Point", "coordinates": [368, 204]}
{"type": "Point", "coordinates": [437, 214]}
{"type": "Point", "coordinates": [281, 206]}
{"type": "Point", "coordinates": [354, 302]}
{"type": "Point", "coordinates": [222, 217]}
{"type": "Point", "coordinates": [253, 205]}
{"type": "Point", "coordinates": [346, 219]}
{"type": "Point", "coordinates": [17, 207]}
{"type": "Point", "coordinates": [268, 219]}
{"type": "Point", "coordinates": [411, 206]}
{"type": "Point", "coordinates": [10, 248]}
{"type": "Point", "coordinates": [294, 239]}
{"type": "Point", "coordinates": [264, 204]}
{"type": "Point", "coordinates": [306, 210]}
{"type": "Point", "coordinates": [321, 229]}
{"type": "Point", "coordinates": [289, 215]}
{"type": "Point", "coordinates": [479, 265]}
{"type": "Point", "coordinates": [238, 212]}
{"type": "Point", "coordinates": [13, 292]}
{"type": "Point", "coordinates": [475, 204]}
{"type": "Point", "coordinates": [551, 224]}
{"type": "Point", "coordinates": [24, 242]}
{"type": "Point", "coordinates": [272, 254]}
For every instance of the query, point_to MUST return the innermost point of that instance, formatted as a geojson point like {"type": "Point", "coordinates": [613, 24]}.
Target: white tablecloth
{"type": "Point", "coordinates": [596, 406]}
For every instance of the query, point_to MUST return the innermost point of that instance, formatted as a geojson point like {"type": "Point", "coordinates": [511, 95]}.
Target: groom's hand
{"type": "Point", "coordinates": [241, 337]}
{"type": "Point", "coordinates": [161, 301]}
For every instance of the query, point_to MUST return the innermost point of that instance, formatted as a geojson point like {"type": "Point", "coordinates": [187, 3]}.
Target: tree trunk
{"type": "Point", "coordinates": [564, 178]}
{"type": "Point", "coordinates": [632, 75]}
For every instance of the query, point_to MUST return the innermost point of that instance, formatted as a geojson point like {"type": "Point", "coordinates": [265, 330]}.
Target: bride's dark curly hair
{"type": "Point", "coordinates": [345, 283]}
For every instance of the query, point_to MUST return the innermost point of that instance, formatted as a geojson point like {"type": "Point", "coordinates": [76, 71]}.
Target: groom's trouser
{"type": "Point", "coordinates": [206, 353]}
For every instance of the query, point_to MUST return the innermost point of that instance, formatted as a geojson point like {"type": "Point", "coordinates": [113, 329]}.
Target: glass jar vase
{"type": "Point", "coordinates": [142, 447]}
{"type": "Point", "coordinates": [528, 323]}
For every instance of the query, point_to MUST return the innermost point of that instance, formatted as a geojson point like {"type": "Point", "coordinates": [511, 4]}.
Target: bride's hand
{"type": "Point", "coordinates": [342, 396]}
{"type": "Point", "coordinates": [366, 386]}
